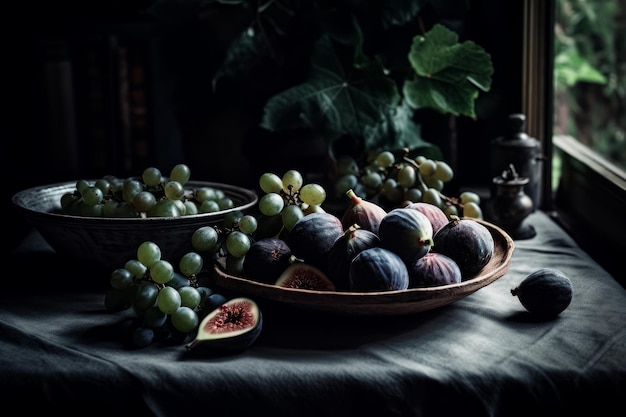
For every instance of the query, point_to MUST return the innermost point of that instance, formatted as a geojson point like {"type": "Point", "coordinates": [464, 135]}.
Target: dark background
{"type": "Point", "coordinates": [186, 122]}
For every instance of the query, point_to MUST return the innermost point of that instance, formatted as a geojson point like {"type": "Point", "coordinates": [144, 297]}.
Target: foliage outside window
{"type": "Point", "coordinates": [590, 75]}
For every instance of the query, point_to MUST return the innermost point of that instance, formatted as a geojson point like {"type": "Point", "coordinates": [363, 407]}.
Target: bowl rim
{"type": "Point", "coordinates": [19, 199]}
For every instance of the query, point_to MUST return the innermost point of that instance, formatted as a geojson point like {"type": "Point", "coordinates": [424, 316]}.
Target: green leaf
{"type": "Point", "coordinates": [570, 68]}
{"type": "Point", "coordinates": [396, 131]}
{"type": "Point", "coordinates": [337, 99]}
{"type": "Point", "coordinates": [448, 74]}
{"type": "Point", "coordinates": [400, 12]}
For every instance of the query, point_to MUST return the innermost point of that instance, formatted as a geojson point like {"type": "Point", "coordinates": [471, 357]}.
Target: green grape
{"type": "Point", "coordinates": [225, 203]}
{"type": "Point", "coordinates": [427, 168]}
{"type": "Point", "coordinates": [180, 173]}
{"type": "Point", "coordinates": [165, 208]}
{"type": "Point", "coordinates": [130, 188]}
{"type": "Point", "coordinates": [392, 191]}
{"type": "Point", "coordinates": [109, 209]}
{"type": "Point", "coordinates": [451, 210]}
{"type": "Point", "coordinates": [385, 159]}
{"type": "Point", "coordinates": [103, 185]}
{"type": "Point", "coordinates": [406, 176]}
{"type": "Point", "coordinates": [67, 199]}
{"type": "Point", "coordinates": [204, 239]}
{"type": "Point", "coordinates": [144, 201]}
{"type": "Point", "coordinates": [174, 190]}
{"type": "Point", "coordinates": [270, 183]}
{"type": "Point", "coordinates": [237, 243]}
{"type": "Point", "coordinates": [292, 181]}
{"type": "Point", "coordinates": [189, 296]}
{"type": "Point", "coordinates": [145, 296]}
{"type": "Point", "coordinates": [91, 211]}
{"type": "Point", "coordinates": [344, 183]}
{"type": "Point", "coordinates": [347, 165]}
{"type": "Point", "coordinates": [81, 185]}
{"type": "Point", "coordinates": [443, 171]}
{"type": "Point", "coordinates": [290, 215]}
{"type": "Point", "coordinates": [153, 318]}
{"type": "Point", "coordinates": [469, 196]}
{"type": "Point", "coordinates": [148, 253]}
{"type": "Point", "coordinates": [190, 264]}
{"type": "Point", "coordinates": [184, 319]}
{"type": "Point", "coordinates": [271, 204]}
{"type": "Point", "coordinates": [202, 194]}
{"type": "Point", "coordinates": [372, 179]}
{"type": "Point", "coordinates": [92, 195]}
{"type": "Point", "coordinates": [168, 300]}
{"type": "Point", "coordinates": [151, 176]}
{"type": "Point", "coordinates": [433, 182]}
{"type": "Point", "coordinates": [419, 159]}
{"type": "Point", "coordinates": [125, 209]}
{"type": "Point", "coordinates": [136, 268]}
{"type": "Point", "coordinates": [471, 209]}
{"type": "Point", "coordinates": [231, 220]}
{"type": "Point", "coordinates": [190, 208]}
{"type": "Point", "coordinates": [313, 194]}
{"type": "Point", "coordinates": [209, 206]}
{"type": "Point", "coordinates": [413, 194]}
{"type": "Point", "coordinates": [432, 196]}
{"type": "Point", "coordinates": [121, 278]}
{"type": "Point", "coordinates": [248, 224]}
{"type": "Point", "coordinates": [161, 271]}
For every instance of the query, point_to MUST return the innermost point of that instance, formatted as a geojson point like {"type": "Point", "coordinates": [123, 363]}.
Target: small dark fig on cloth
{"type": "Point", "coordinates": [365, 213]}
{"type": "Point", "coordinates": [378, 269]}
{"type": "Point", "coordinates": [467, 242]}
{"type": "Point", "coordinates": [234, 325]}
{"type": "Point", "coordinates": [545, 292]}
{"type": "Point", "coordinates": [305, 277]}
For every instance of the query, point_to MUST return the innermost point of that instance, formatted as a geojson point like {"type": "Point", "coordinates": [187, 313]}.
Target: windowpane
{"type": "Point", "coordinates": [590, 75]}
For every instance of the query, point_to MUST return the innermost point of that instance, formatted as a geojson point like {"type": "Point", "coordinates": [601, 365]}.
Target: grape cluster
{"type": "Point", "coordinates": [401, 179]}
{"type": "Point", "coordinates": [151, 195]}
{"type": "Point", "coordinates": [288, 197]}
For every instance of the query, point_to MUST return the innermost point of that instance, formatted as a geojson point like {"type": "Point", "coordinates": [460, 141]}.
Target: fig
{"type": "Point", "coordinates": [305, 277]}
{"type": "Point", "coordinates": [351, 243]}
{"type": "Point", "coordinates": [433, 269]}
{"type": "Point", "coordinates": [406, 232]}
{"type": "Point", "coordinates": [545, 292]}
{"type": "Point", "coordinates": [234, 325]}
{"type": "Point", "coordinates": [435, 214]}
{"type": "Point", "coordinates": [378, 269]}
{"type": "Point", "coordinates": [365, 213]}
{"type": "Point", "coordinates": [312, 236]}
{"type": "Point", "coordinates": [467, 242]}
{"type": "Point", "coordinates": [266, 260]}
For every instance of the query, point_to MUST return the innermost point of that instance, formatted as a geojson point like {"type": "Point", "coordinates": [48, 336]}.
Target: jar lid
{"type": "Point", "coordinates": [516, 133]}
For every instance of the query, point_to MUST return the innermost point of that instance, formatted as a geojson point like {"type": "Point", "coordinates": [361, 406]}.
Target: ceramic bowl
{"type": "Point", "coordinates": [110, 242]}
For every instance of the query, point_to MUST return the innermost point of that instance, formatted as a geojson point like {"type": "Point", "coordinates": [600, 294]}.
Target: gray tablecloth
{"type": "Point", "coordinates": [62, 352]}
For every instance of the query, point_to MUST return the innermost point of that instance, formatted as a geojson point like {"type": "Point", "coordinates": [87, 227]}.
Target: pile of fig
{"type": "Point", "coordinates": [369, 249]}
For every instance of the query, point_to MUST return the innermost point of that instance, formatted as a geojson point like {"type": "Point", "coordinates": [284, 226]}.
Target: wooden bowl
{"type": "Point", "coordinates": [110, 242]}
{"type": "Point", "coordinates": [412, 300]}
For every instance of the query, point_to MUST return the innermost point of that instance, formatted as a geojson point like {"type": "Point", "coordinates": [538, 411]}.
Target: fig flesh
{"type": "Point", "coordinates": [234, 325]}
{"type": "Point", "coordinates": [303, 276]}
{"type": "Point", "coordinates": [362, 212]}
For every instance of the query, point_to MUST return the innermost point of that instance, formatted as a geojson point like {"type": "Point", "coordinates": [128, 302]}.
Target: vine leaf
{"type": "Point", "coordinates": [448, 74]}
{"type": "Point", "coordinates": [334, 98]}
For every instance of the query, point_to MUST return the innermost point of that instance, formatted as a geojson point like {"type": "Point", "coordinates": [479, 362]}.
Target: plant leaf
{"type": "Point", "coordinates": [448, 74]}
{"type": "Point", "coordinates": [396, 131]}
{"type": "Point", "coordinates": [400, 12]}
{"type": "Point", "coordinates": [333, 99]}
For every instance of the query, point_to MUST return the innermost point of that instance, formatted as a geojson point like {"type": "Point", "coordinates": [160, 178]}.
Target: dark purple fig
{"type": "Point", "coordinates": [305, 277]}
{"type": "Point", "coordinates": [266, 260]}
{"type": "Point", "coordinates": [467, 242]}
{"type": "Point", "coordinates": [311, 238]}
{"type": "Point", "coordinates": [362, 212]}
{"type": "Point", "coordinates": [545, 292]}
{"type": "Point", "coordinates": [406, 232]}
{"type": "Point", "coordinates": [353, 241]}
{"type": "Point", "coordinates": [378, 269]}
{"type": "Point", "coordinates": [435, 214]}
{"type": "Point", "coordinates": [432, 270]}
{"type": "Point", "coordinates": [234, 325]}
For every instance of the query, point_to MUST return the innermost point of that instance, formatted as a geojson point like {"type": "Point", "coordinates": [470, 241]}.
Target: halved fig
{"type": "Point", "coordinates": [234, 325]}
{"type": "Point", "coordinates": [305, 277]}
